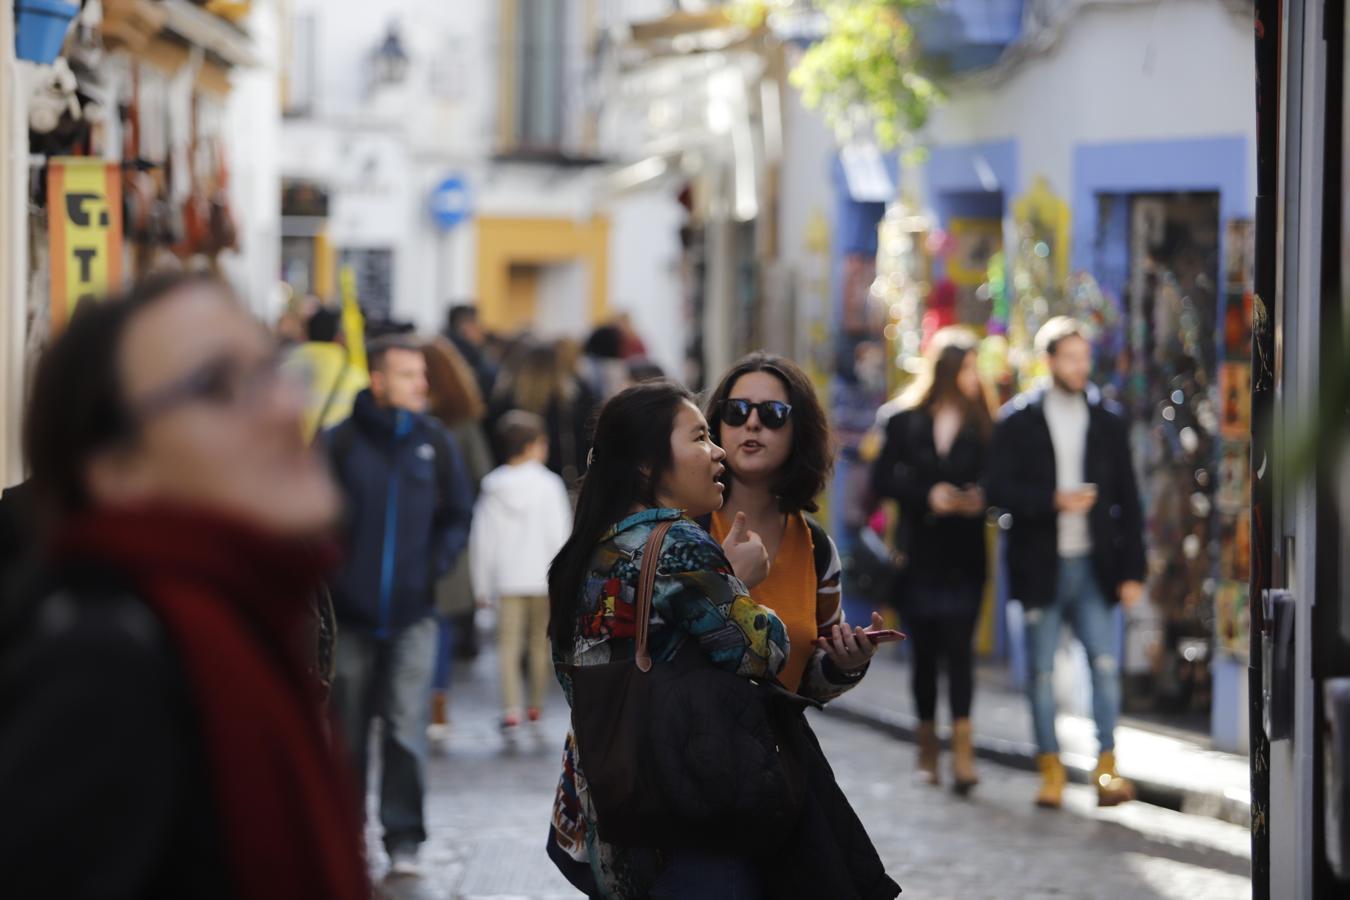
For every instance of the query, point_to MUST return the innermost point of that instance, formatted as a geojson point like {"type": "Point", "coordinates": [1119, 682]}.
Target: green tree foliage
{"type": "Point", "coordinates": [865, 73]}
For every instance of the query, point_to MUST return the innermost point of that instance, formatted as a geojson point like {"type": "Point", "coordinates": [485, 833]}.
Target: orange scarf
{"type": "Point", "coordinates": [790, 591]}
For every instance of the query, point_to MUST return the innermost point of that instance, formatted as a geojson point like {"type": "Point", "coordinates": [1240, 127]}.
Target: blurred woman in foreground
{"type": "Point", "coordinates": [183, 523]}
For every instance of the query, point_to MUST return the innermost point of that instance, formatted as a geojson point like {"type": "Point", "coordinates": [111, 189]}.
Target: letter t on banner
{"type": "Point", "coordinates": [84, 227]}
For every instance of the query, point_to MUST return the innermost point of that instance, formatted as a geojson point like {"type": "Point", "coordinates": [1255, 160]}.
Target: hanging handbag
{"type": "Point", "coordinates": [683, 753]}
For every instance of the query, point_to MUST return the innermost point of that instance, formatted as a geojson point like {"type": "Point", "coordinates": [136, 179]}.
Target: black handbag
{"type": "Point", "coordinates": [682, 753]}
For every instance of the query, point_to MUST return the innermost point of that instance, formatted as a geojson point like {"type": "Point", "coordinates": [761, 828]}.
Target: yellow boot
{"type": "Point", "coordinates": [963, 757]}
{"type": "Point", "coordinates": [1112, 790]}
{"type": "Point", "coordinates": [1053, 778]}
{"type": "Point", "coordinates": [927, 766]}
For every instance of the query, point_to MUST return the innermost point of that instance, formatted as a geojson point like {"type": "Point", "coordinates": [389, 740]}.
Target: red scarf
{"type": "Point", "coordinates": [234, 602]}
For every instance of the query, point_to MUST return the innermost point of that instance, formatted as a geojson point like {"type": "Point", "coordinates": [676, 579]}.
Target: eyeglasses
{"type": "Point", "coordinates": [223, 382]}
{"type": "Point", "coordinates": [772, 414]}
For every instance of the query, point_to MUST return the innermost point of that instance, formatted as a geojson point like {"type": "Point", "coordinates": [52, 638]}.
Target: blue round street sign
{"type": "Point", "coordinates": [450, 202]}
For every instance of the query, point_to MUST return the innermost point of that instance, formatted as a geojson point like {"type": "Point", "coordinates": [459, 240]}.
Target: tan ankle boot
{"type": "Point", "coordinates": [1053, 778]}
{"type": "Point", "coordinates": [963, 757]}
{"type": "Point", "coordinates": [1112, 790]}
{"type": "Point", "coordinates": [927, 766]}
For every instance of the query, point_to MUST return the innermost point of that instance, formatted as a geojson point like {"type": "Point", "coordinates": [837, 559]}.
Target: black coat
{"type": "Point", "coordinates": [102, 768]}
{"type": "Point", "coordinates": [1022, 480]}
{"type": "Point", "coordinates": [936, 550]}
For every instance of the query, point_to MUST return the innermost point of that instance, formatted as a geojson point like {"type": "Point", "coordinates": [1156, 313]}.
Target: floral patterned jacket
{"type": "Point", "coordinates": [696, 597]}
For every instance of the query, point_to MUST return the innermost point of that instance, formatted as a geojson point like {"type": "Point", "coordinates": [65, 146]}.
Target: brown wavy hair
{"type": "Point", "coordinates": [455, 395]}
{"type": "Point", "coordinates": [811, 458]}
{"type": "Point", "coordinates": [936, 382]}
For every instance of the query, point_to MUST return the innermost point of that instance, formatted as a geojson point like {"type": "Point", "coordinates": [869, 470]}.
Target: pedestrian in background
{"type": "Point", "coordinates": [539, 382]}
{"type": "Point", "coordinates": [409, 504]}
{"type": "Point", "coordinates": [184, 527]}
{"type": "Point", "coordinates": [1060, 465]}
{"type": "Point", "coordinates": [521, 521]}
{"type": "Point", "coordinates": [456, 401]}
{"type": "Point", "coordinates": [932, 462]}
{"type": "Point", "coordinates": [654, 462]}
{"type": "Point", "coordinates": [464, 329]}
{"type": "Point", "coordinates": [603, 365]}
{"type": "Point", "coordinates": [766, 416]}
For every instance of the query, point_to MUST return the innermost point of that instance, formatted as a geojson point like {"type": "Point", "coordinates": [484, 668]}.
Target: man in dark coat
{"type": "Point", "coordinates": [1059, 467]}
{"type": "Point", "coordinates": [408, 507]}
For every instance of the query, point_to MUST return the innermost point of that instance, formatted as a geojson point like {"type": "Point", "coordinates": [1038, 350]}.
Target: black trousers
{"type": "Point", "coordinates": [941, 635]}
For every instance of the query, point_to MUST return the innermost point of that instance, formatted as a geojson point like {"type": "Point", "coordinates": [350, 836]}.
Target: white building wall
{"type": "Point", "coordinates": [1128, 72]}
{"type": "Point", "coordinates": [382, 156]}
{"type": "Point", "coordinates": [253, 151]}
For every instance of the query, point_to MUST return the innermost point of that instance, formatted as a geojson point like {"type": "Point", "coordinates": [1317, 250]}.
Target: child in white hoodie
{"type": "Point", "coordinates": [522, 519]}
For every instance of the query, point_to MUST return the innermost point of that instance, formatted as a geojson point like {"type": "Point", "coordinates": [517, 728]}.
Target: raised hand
{"type": "Point", "coordinates": [744, 549]}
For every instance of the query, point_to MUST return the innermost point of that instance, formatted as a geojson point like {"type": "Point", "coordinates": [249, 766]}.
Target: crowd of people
{"type": "Point", "coordinates": [639, 543]}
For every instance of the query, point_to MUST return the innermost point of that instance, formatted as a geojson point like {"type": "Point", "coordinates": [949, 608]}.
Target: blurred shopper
{"type": "Point", "coordinates": [540, 383]}
{"type": "Point", "coordinates": [522, 518]}
{"type": "Point", "coordinates": [777, 441]}
{"type": "Point", "coordinates": [465, 331]}
{"type": "Point", "coordinates": [932, 462]}
{"type": "Point", "coordinates": [603, 367]}
{"type": "Point", "coordinates": [456, 401]}
{"type": "Point", "coordinates": [409, 504]}
{"type": "Point", "coordinates": [1060, 465]}
{"type": "Point", "coordinates": [185, 526]}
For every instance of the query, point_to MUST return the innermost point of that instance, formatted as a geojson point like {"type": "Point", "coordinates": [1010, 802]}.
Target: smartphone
{"type": "Point", "coordinates": [885, 635]}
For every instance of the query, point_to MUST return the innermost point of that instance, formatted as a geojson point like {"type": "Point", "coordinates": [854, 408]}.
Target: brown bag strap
{"type": "Point", "coordinates": [651, 558]}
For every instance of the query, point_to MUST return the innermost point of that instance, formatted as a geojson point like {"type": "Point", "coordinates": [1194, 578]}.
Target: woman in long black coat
{"type": "Point", "coordinates": [932, 462]}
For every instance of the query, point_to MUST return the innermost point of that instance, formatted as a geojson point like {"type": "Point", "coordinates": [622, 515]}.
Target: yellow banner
{"type": "Point", "coordinates": [84, 215]}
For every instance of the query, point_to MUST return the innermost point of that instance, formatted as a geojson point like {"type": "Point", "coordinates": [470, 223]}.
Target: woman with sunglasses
{"type": "Point", "coordinates": [932, 462]}
{"type": "Point", "coordinates": [182, 523]}
{"type": "Point", "coordinates": [766, 416]}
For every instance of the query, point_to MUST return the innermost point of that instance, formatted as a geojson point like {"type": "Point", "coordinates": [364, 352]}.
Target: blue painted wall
{"type": "Point", "coordinates": [1138, 167]}
{"type": "Point", "coordinates": [955, 175]}
{"type": "Point", "coordinates": [1101, 246]}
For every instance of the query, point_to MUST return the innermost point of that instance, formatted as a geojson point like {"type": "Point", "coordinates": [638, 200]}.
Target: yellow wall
{"type": "Point", "coordinates": [507, 299]}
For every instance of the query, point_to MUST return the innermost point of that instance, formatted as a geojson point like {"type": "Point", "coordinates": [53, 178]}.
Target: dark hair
{"type": "Point", "coordinates": [383, 345]}
{"type": "Point", "coordinates": [323, 326]}
{"type": "Point", "coordinates": [642, 369]}
{"type": "Point", "coordinates": [77, 408]}
{"type": "Point", "coordinates": [632, 451]}
{"type": "Point", "coordinates": [810, 459]}
{"type": "Point", "coordinates": [936, 382]}
{"type": "Point", "coordinates": [605, 342]}
{"type": "Point", "coordinates": [517, 430]}
{"type": "Point", "coordinates": [458, 315]}
{"type": "Point", "coordinates": [1056, 331]}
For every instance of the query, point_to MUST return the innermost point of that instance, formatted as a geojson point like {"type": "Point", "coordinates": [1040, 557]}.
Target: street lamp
{"type": "Point", "coordinates": [390, 61]}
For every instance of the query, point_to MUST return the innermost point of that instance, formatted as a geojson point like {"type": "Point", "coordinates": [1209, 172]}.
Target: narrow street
{"type": "Point", "coordinates": [489, 805]}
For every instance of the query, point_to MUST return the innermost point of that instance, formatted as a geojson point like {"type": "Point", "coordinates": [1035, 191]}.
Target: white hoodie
{"type": "Point", "coordinates": [522, 519]}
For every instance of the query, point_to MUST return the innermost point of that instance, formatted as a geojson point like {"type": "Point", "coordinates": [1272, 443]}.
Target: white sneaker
{"type": "Point", "coordinates": [403, 864]}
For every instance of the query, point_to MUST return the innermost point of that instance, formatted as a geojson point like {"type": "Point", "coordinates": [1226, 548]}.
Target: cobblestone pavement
{"type": "Point", "coordinates": [489, 803]}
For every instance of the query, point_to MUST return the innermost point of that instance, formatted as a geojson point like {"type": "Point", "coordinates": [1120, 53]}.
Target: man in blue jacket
{"type": "Point", "coordinates": [409, 502]}
{"type": "Point", "coordinates": [1060, 467]}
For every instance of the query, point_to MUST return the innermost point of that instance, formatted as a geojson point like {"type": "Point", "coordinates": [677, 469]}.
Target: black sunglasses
{"type": "Point", "coordinates": [772, 414]}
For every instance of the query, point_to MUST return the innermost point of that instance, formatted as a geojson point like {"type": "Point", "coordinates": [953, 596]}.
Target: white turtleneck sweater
{"type": "Point", "coordinates": [1067, 416]}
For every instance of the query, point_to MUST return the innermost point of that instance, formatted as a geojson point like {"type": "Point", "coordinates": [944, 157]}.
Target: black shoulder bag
{"type": "Point", "coordinates": [683, 753]}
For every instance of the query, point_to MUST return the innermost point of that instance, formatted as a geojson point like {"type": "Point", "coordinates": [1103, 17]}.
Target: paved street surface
{"type": "Point", "coordinates": [489, 808]}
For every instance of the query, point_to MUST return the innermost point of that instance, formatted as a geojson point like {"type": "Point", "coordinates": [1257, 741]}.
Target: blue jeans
{"type": "Point", "coordinates": [389, 679]}
{"type": "Point", "coordinates": [700, 875]}
{"type": "Point", "coordinates": [1079, 599]}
